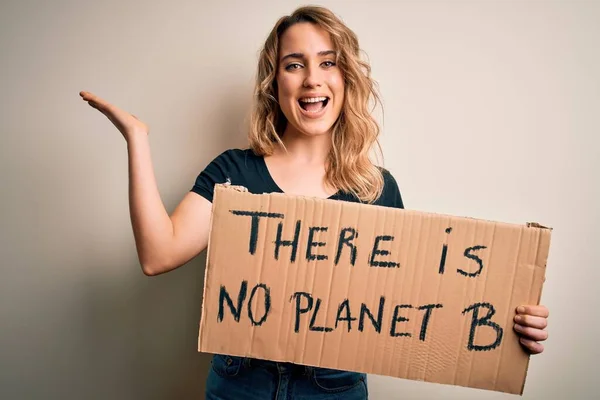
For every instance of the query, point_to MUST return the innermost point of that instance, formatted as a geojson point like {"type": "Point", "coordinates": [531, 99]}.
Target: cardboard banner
{"type": "Point", "coordinates": [370, 289]}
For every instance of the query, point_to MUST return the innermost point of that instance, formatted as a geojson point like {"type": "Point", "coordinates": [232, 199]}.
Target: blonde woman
{"type": "Point", "coordinates": [311, 134]}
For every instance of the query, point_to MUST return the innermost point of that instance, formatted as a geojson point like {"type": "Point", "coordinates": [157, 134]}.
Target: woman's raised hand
{"type": "Point", "coordinates": [129, 125]}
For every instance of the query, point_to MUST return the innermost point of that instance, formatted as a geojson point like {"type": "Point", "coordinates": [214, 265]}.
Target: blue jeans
{"type": "Point", "coordinates": [233, 378]}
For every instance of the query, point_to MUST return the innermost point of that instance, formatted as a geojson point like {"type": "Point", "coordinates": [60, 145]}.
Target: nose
{"type": "Point", "coordinates": [313, 77]}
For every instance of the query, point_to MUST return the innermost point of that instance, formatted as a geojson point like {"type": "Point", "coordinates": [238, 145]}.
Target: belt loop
{"type": "Point", "coordinates": [308, 370]}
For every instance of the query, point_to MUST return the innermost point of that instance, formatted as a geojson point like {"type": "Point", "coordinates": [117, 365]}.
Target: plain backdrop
{"type": "Point", "coordinates": [492, 110]}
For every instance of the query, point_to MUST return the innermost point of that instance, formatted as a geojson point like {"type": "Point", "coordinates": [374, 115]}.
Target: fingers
{"type": "Point", "coordinates": [530, 323]}
{"type": "Point", "coordinates": [531, 333]}
{"type": "Point", "coordinates": [95, 101]}
{"type": "Point", "coordinates": [538, 311]}
{"type": "Point", "coordinates": [533, 346]}
{"type": "Point", "coordinates": [90, 97]}
{"type": "Point", "coordinates": [534, 322]}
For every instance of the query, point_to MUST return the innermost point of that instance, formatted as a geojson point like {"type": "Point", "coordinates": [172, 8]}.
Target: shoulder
{"type": "Point", "coordinates": [235, 161]}
{"type": "Point", "coordinates": [235, 156]}
{"type": "Point", "coordinates": [390, 196]}
{"type": "Point", "coordinates": [240, 167]}
{"type": "Point", "coordinates": [232, 165]}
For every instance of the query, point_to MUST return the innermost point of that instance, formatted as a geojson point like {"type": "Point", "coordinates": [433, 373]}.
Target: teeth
{"type": "Point", "coordinates": [313, 99]}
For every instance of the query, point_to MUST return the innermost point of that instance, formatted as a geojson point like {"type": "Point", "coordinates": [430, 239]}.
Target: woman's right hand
{"type": "Point", "coordinates": [129, 125]}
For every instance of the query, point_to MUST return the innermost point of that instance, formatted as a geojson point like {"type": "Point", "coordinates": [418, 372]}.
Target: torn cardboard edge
{"type": "Point", "coordinates": [316, 305]}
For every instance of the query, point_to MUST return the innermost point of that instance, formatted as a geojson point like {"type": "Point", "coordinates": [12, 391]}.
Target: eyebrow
{"type": "Point", "coordinates": [300, 55]}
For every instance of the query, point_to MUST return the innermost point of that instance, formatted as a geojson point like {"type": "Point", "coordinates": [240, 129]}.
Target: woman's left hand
{"type": "Point", "coordinates": [530, 325]}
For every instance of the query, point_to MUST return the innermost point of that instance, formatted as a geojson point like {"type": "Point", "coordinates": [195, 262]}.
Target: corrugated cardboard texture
{"type": "Point", "coordinates": [372, 289]}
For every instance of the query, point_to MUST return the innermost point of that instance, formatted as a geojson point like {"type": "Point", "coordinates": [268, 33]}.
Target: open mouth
{"type": "Point", "coordinates": [314, 104]}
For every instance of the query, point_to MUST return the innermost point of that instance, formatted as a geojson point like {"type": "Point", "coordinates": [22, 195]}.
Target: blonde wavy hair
{"type": "Point", "coordinates": [349, 167]}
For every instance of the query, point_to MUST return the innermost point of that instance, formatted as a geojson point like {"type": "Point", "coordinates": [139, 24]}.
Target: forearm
{"type": "Point", "coordinates": [152, 226]}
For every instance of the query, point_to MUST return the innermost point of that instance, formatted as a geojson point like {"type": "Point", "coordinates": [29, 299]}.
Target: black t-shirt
{"type": "Point", "coordinates": [245, 168]}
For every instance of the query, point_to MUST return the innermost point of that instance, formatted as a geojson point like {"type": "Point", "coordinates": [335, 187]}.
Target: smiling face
{"type": "Point", "coordinates": [309, 82]}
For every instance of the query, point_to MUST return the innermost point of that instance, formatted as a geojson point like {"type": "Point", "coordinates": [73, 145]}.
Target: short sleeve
{"type": "Point", "coordinates": [217, 171]}
{"type": "Point", "coordinates": [391, 196]}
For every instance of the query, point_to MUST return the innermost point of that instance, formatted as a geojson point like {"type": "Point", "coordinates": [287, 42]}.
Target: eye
{"type": "Point", "coordinates": [328, 64]}
{"type": "Point", "coordinates": [292, 66]}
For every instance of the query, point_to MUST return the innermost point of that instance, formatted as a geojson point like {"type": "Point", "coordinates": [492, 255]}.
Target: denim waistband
{"type": "Point", "coordinates": [280, 367]}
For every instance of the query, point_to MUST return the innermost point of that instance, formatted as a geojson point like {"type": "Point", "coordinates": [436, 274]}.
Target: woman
{"type": "Point", "coordinates": [311, 134]}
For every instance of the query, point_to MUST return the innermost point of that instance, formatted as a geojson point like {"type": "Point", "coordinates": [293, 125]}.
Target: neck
{"type": "Point", "coordinates": [305, 149]}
